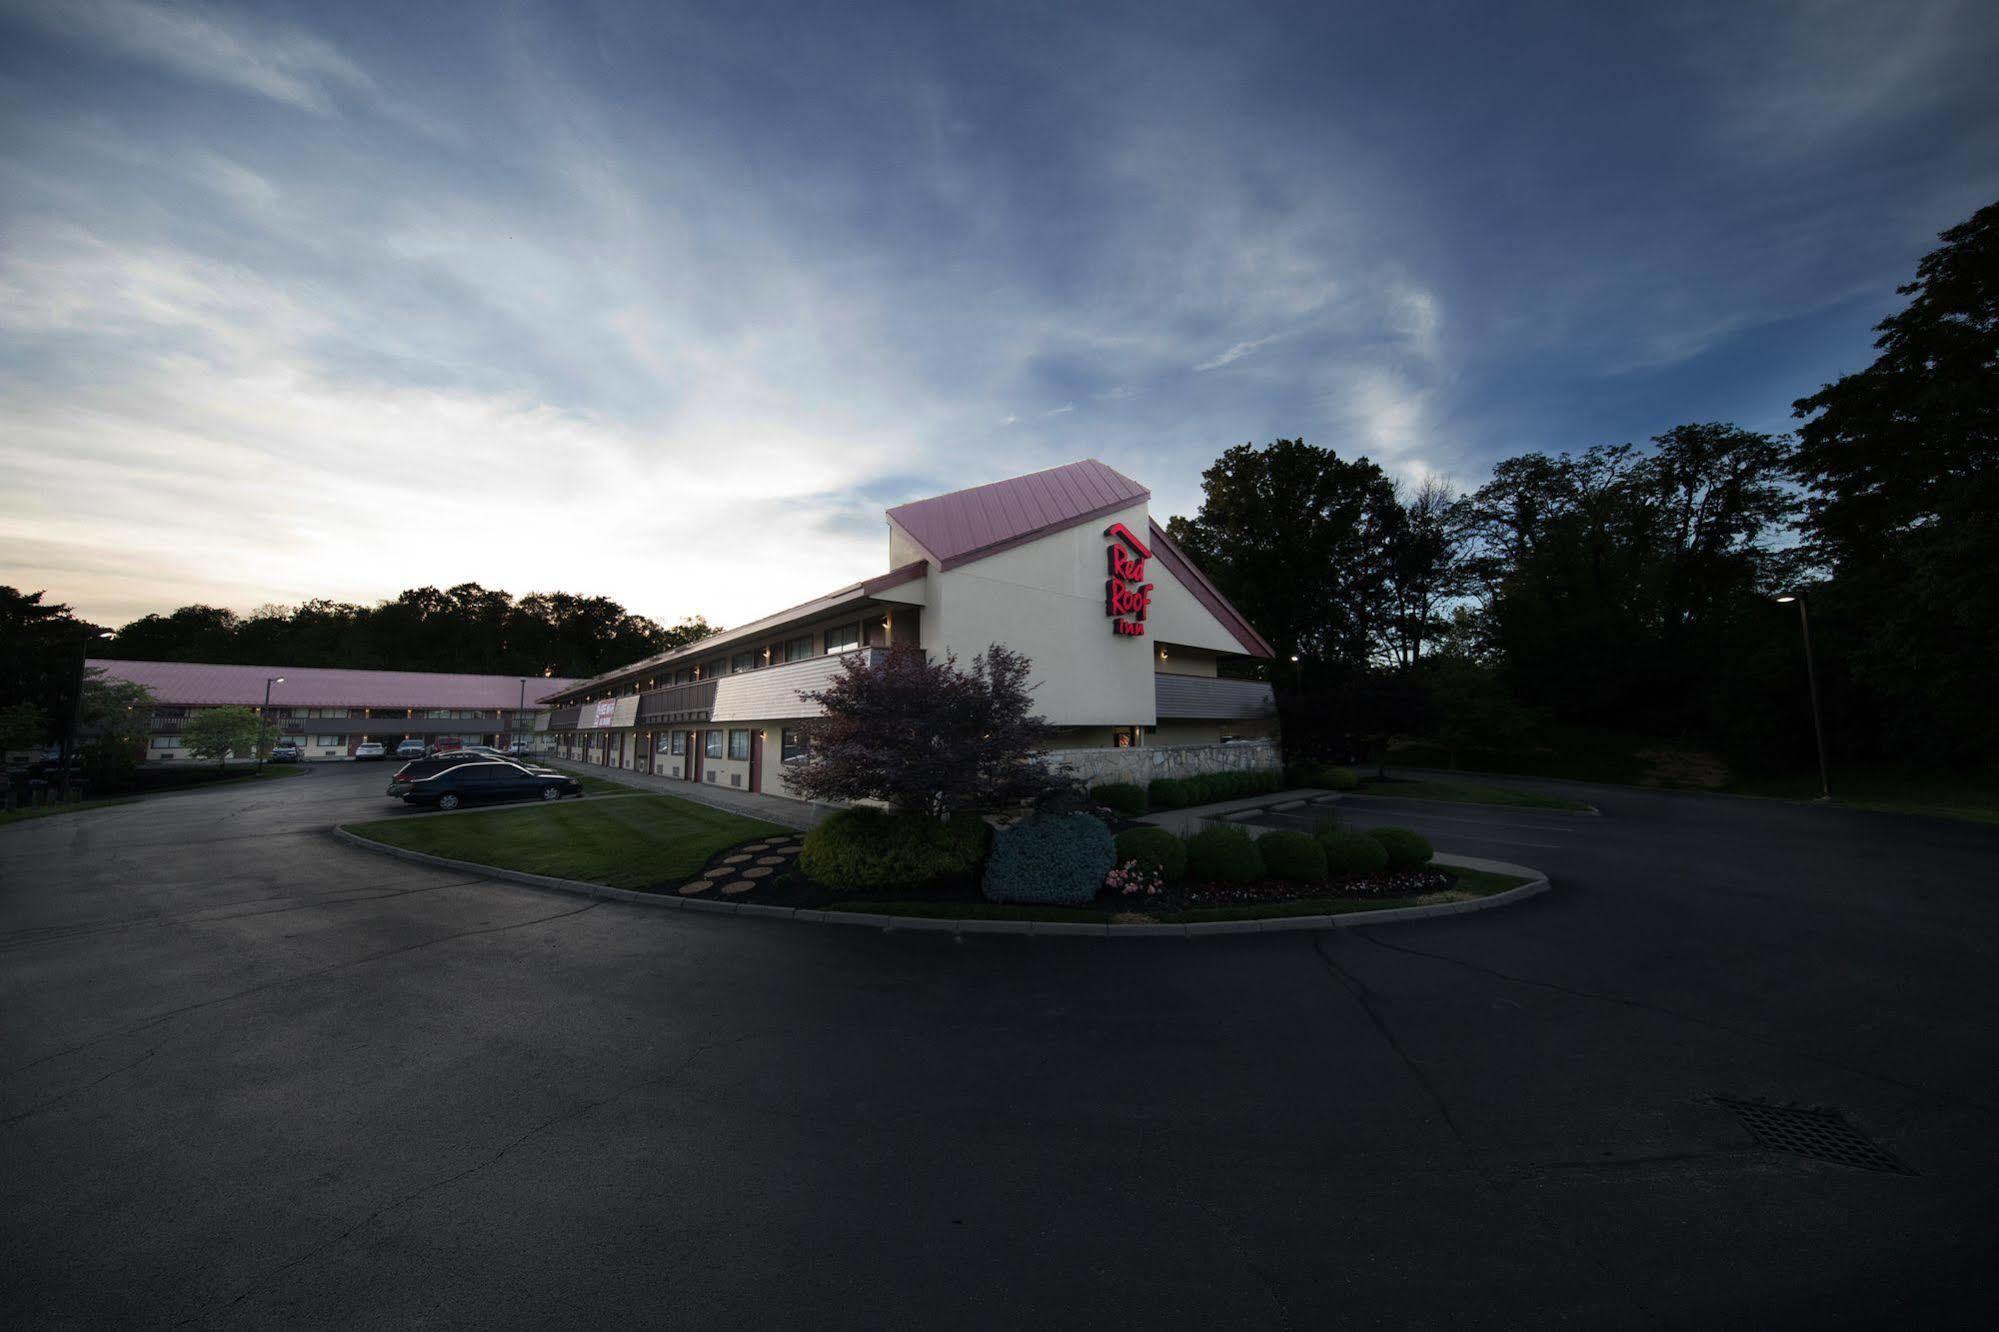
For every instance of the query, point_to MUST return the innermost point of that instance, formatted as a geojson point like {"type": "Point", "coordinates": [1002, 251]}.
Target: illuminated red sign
{"type": "Point", "coordinates": [1125, 603]}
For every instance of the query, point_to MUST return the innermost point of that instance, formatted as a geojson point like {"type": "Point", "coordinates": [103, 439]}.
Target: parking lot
{"type": "Point", "coordinates": [253, 1075]}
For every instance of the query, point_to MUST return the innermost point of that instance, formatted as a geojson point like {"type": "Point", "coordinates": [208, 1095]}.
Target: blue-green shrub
{"type": "Point", "coordinates": [1167, 793]}
{"type": "Point", "coordinates": [1223, 854]}
{"type": "Point", "coordinates": [1124, 798]}
{"type": "Point", "coordinates": [1292, 855]}
{"type": "Point", "coordinates": [1405, 849]}
{"type": "Point", "coordinates": [1352, 852]}
{"type": "Point", "coordinates": [1060, 858]}
{"type": "Point", "coordinates": [871, 848]}
{"type": "Point", "coordinates": [1156, 847]}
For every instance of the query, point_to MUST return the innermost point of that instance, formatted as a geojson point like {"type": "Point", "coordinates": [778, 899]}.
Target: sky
{"type": "Point", "coordinates": [668, 302]}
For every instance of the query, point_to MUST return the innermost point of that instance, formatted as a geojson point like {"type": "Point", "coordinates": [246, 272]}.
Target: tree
{"type": "Point", "coordinates": [23, 726]}
{"type": "Point", "coordinates": [1902, 459]}
{"type": "Point", "coordinates": [219, 732]}
{"type": "Point", "coordinates": [116, 716]}
{"type": "Point", "coordinates": [1427, 569]}
{"type": "Point", "coordinates": [926, 737]}
{"type": "Point", "coordinates": [1298, 539]}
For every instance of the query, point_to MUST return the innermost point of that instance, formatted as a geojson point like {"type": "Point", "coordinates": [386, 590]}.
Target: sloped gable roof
{"type": "Point", "coordinates": [209, 684]}
{"type": "Point", "coordinates": [1168, 553]}
{"type": "Point", "coordinates": [967, 525]}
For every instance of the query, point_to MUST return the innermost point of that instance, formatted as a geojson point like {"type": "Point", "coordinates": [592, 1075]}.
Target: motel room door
{"type": "Point", "coordinates": [756, 761]}
{"type": "Point", "coordinates": [693, 765]}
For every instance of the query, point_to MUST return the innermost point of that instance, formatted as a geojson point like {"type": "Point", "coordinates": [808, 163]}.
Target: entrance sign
{"type": "Point", "coordinates": [1125, 604]}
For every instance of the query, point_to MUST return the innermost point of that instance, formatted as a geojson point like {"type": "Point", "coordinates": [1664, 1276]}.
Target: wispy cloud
{"type": "Point", "coordinates": [1236, 353]}
{"type": "Point", "coordinates": [273, 60]}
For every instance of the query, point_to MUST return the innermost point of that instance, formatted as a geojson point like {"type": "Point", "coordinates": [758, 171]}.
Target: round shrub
{"type": "Point", "coordinates": [1060, 858]}
{"type": "Point", "coordinates": [1223, 854]}
{"type": "Point", "coordinates": [1123, 798]}
{"type": "Point", "coordinates": [1292, 855]}
{"type": "Point", "coordinates": [1167, 793]}
{"type": "Point", "coordinates": [871, 848]}
{"type": "Point", "coordinates": [1405, 849]}
{"type": "Point", "coordinates": [1327, 821]}
{"type": "Point", "coordinates": [1353, 853]}
{"type": "Point", "coordinates": [1339, 779]}
{"type": "Point", "coordinates": [1156, 847]}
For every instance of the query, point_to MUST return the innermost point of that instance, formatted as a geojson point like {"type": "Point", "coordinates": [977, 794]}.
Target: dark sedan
{"type": "Point", "coordinates": [448, 786]}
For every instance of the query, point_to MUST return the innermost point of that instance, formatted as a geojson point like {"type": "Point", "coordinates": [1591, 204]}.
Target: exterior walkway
{"type": "Point", "coordinates": [1187, 822]}
{"type": "Point", "coordinates": [773, 809]}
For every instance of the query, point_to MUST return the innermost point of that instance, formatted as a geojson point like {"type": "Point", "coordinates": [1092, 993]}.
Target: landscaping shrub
{"type": "Point", "coordinates": [1339, 779]}
{"type": "Point", "coordinates": [1405, 849]}
{"type": "Point", "coordinates": [1353, 853]}
{"type": "Point", "coordinates": [1329, 821]}
{"type": "Point", "coordinates": [1214, 786]}
{"type": "Point", "coordinates": [1167, 793]}
{"type": "Point", "coordinates": [1156, 847]}
{"type": "Point", "coordinates": [1060, 858]}
{"type": "Point", "coordinates": [1292, 855]}
{"type": "Point", "coordinates": [1223, 854]}
{"type": "Point", "coordinates": [1124, 798]}
{"type": "Point", "coordinates": [871, 848]}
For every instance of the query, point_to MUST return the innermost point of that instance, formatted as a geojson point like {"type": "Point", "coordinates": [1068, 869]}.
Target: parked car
{"type": "Point", "coordinates": [519, 748]}
{"type": "Point", "coordinates": [410, 749]}
{"type": "Point", "coordinates": [370, 749]}
{"type": "Point", "coordinates": [287, 751]}
{"type": "Point", "coordinates": [469, 783]}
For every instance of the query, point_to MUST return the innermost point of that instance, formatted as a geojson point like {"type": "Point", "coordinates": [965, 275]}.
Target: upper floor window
{"type": "Point", "coordinates": [799, 648]}
{"type": "Point", "coordinates": [843, 639]}
{"type": "Point", "coordinates": [742, 661]}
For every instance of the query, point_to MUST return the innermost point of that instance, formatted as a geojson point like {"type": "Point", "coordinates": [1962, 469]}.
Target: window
{"type": "Point", "coordinates": [170, 712]}
{"type": "Point", "coordinates": [798, 649]}
{"type": "Point", "coordinates": [683, 676]}
{"type": "Point", "coordinates": [844, 639]}
{"type": "Point", "coordinates": [742, 661]}
{"type": "Point", "coordinates": [739, 744]}
{"type": "Point", "coordinates": [326, 740]}
{"type": "Point", "coordinates": [166, 742]}
{"type": "Point", "coordinates": [324, 712]}
{"type": "Point", "coordinates": [791, 745]}
{"type": "Point", "coordinates": [712, 742]}
{"type": "Point", "coordinates": [680, 742]}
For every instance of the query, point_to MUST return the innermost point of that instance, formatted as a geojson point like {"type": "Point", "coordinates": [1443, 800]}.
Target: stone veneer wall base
{"type": "Point", "coordinates": [1142, 764]}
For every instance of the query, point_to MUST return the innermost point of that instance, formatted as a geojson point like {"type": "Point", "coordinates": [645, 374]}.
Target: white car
{"type": "Point", "coordinates": [410, 749]}
{"type": "Point", "coordinates": [370, 749]}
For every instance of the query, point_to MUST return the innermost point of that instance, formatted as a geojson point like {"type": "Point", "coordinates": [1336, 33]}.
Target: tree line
{"type": "Point", "coordinates": [1633, 589]}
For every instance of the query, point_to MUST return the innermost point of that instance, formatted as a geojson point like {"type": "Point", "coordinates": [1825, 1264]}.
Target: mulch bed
{"type": "Point", "coordinates": [781, 883]}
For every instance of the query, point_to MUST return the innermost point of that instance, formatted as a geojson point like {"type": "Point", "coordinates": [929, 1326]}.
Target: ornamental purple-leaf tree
{"type": "Point", "coordinates": [926, 737]}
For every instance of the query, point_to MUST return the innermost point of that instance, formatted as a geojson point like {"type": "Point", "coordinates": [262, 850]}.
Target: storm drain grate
{"type": "Point", "coordinates": [1819, 1134]}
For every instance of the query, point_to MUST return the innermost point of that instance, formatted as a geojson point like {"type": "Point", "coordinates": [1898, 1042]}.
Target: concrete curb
{"type": "Point", "coordinates": [1537, 885]}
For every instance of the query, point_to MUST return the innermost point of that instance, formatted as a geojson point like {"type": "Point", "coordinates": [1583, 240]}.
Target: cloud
{"type": "Point", "coordinates": [282, 63]}
{"type": "Point", "coordinates": [1235, 353]}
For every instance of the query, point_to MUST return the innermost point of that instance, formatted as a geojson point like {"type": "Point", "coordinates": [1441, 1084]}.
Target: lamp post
{"type": "Point", "coordinates": [1297, 673]}
{"type": "Point", "coordinates": [262, 716]}
{"type": "Point", "coordinates": [1812, 676]}
{"type": "Point", "coordinates": [67, 753]}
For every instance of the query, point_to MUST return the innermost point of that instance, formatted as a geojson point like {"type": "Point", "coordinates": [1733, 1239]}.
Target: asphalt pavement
{"type": "Point", "coordinates": [250, 1075]}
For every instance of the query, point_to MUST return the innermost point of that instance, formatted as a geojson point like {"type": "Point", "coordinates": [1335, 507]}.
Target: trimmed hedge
{"type": "Point", "coordinates": [1167, 793]}
{"type": "Point", "coordinates": [1322, 775]}
{"type": "Point", "coordinates": [871, 848]}
{"type": "Point", "coordinates": [1292, 855]}
{"type": "Point", "coordinates": [1156, 847]}
{"type": "Point", "coordinates": [1353, 853]}
{"type": "Point", "coordinates": [1224, 854]}
{"type": "Point", "coordinates": [1214, 786]}
{"type": "Point", "coordinates": [1059, 858]}
{"type": "Point", "coordinates": [1405, 849]}
{"type": "Point", "coordinates": [1124, 798]}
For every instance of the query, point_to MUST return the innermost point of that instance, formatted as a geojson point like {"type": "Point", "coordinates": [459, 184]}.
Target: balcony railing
{"type": "Point", "coordinates": [693, 701]}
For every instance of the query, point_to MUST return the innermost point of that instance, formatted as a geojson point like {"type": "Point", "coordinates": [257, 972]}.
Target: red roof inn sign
{"type": "Point", "coordinates": [1125, 603]}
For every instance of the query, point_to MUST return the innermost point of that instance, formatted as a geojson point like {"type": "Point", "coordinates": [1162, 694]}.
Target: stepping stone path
{"type": "Point", "coordinates": [757, 873]}
{"type": "Point", "coordinates": [734, 860]}
{"type": "Point", "coordinates": [698, 886]}
{"type": "Point", "coordinates": [734, 875]}
{"type": "Point", "coordinates": [770, 860]}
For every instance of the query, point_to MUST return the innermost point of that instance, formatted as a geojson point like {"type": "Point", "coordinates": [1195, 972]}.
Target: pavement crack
{"type": "Point", "coordinates": [315, 974]}
{"type": "Point", "coordinates": [78, 1091]}
{"type": "Point", "coordinates": [1365, 998]}
{"type": "Point", "coordinates": [1642, 1005]}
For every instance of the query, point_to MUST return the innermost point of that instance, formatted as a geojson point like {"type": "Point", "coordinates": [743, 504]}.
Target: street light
{"type": "Point", "coordinates": [1812, 676]}
{"type": "Point", "coordinates": [269, 680]}
{"type": "Point", "coordinates": [1297, 672]}
{"type": "Point", "coordinates": [68, 750]}
{"type": "Point", "coordinates": [522, 708]}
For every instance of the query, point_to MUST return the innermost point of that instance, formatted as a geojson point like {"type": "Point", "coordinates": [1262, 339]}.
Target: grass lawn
{"type": "Point", "coordinates": [603, 786]}
{"type": "Point", "coordinates": [1890, 788]}
{"type": "Point", "coordinates": [1465, 793]}
{"type": "Point", "coordinates": [44, 811]}
{"type": "Point", "coordinates": [640, 842]}
{"type": "Point", "coordinates": [1471, 884]}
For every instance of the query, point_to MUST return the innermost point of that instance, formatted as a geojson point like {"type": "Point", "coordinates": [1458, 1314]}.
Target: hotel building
{"type": "Point", "coordinates": [327, 713]}
{"type": "Point", "coordinates": [1126, 637]}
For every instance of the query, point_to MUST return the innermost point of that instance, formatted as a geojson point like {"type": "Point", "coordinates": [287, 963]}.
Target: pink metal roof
{"type": "Point", "coordinates": [966, 525]}
{"type": "Point", "coordinates": [200, 684]}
